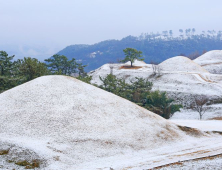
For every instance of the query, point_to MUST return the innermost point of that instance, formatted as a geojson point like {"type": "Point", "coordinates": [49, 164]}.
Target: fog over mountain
{"type": "Point", "coordinates": [52, 25]}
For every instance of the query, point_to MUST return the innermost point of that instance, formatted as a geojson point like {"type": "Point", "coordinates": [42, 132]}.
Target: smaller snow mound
{"type": "Point", "coordinates": [211, 61]}
{"type": "Point", "coordinates": [211, 57]}
{"type": "Point", "coordinates": [181, 64]}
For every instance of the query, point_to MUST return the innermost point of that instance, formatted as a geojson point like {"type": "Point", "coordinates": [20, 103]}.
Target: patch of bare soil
{"type": "Point", "coordinates": [191, 131]}
{"type": "Point", "coordinates": [129, 67]}
{"type": "Point", "coordinates": [216, 118]}
{"type": "Point", "coordinates": [217, 132]}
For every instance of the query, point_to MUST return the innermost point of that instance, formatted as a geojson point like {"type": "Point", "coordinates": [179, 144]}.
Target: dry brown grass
{"type": "Point", "coordinates": [216, 118]}
{"type": "Point", "coordinates": [34, 164]}
{"type": "Point", "coordinates": [129, 67]}
{"type": "Point", "coordinates": [4, 152]}
{"type": "Point", "coordinates": [217, 132]}
{"type": "Point", "coordinates": [190, 131]}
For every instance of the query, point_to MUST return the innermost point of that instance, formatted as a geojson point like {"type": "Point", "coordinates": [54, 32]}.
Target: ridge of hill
{"type": "Point", "coordinates": [181, 64]}
{"type": "Point", "coordinates": [211, 61]}
{"type": "Point", "coordinates": [111, 51]}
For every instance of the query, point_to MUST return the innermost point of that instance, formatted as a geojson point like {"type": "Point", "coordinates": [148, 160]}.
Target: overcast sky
{"type": "Point", "coordinates": [51, 25]}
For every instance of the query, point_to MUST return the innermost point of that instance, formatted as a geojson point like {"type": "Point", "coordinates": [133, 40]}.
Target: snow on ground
{"type": "Point", "coordinates": [77, 122]}
{"type": "Point", "coordinates": [214, 111]}
{"type": "Point", "coordinates": [136, 62]}
{"type": "Point", "coordinates": [182, 79]}
{"type": "Point", "coordinates": [204, 125]}
{"type": "Point", "coordinates": [210, 57]}
{"type": "Point", "coordinates": [179, 76]}
{"type": "Point", "coordinates": [211, 61]}
{"type": "Point", "coordinates": [68, 124]}
{"type": "Point", "coordinates": [181, 64]}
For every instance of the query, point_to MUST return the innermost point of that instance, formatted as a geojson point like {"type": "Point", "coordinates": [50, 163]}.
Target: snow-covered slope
{"type": "Point", "coordinates": [181, 64]}
{"type": "Point", "coordinates": [68, 124]}
{"type": "Point", "coordinates": [179, 76]}
{"type": "Point", "coordinates": [62, 118]}
{"type": "Point", "coordinates": [211, 61]}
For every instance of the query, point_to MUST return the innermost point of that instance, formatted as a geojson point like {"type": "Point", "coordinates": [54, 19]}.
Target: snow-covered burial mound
{"type": "Point", "coordinates": [181, 64]}
{"type": "Point", "coordinates": [69, 122]}
{"type": "Point", "coordinates": [211, 61]}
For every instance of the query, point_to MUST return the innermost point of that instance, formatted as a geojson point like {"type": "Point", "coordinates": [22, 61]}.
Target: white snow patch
{"type": "Point", "coordinates": [181, 64]}
{"type": "Point", "coordinates": [211, 61]}
{"type": "Point", "coordinates": [207, 125]}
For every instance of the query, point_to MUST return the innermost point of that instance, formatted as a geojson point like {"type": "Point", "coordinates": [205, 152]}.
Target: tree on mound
{"type": "Point", "coordinates": [131, 55]}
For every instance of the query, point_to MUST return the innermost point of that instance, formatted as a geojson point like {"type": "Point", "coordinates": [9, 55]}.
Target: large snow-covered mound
{"type": "Point", "coordinates": [211, 61]}
{"type": "Point", "coordinates": [181, 64]}
{"type": "Point", "coordinates": [70, 122]}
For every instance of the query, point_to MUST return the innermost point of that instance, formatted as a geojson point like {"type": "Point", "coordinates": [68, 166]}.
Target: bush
{"type": "Point", "coordinates": [139, 92]}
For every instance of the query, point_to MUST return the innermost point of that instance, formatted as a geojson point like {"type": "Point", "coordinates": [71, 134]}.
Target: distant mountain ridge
{"type": "Point", "coordinates": [154, 48]}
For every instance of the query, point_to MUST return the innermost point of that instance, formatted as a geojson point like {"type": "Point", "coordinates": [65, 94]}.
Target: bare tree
{"type": "Point", "coordinates": [199, 105]}
{"type": "Point", "coordinates": [156, 68]}
{"type": "Point", "coordinates": [111, 66]}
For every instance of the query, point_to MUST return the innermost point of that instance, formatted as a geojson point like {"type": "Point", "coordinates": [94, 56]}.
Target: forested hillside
{"type": "Point", "coordinates": [155, 47]}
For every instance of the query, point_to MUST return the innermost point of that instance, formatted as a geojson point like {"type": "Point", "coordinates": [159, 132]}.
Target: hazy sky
{"type": "Point", "coordinates": [51, 25]}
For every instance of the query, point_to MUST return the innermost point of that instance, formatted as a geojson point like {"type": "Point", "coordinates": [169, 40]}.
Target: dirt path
{"type": "Point", "coordinates": [211, 64]}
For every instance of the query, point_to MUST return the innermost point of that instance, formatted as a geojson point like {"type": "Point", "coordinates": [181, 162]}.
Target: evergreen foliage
{"type": "Point", "coordinates": [131, 55]}
{"type": "Point", "coordinates": [139, 92]}
{"type": "Point", "coordinates": [13, 73]}
{"type": "Point", "coordinates": [31, 68]}
{"type": "Point", "coordinates": [159, 103]}
{"type": "Point", "coordinates": [59, 64]}
{"type": "Point", "coordinates": [85, 78]}
{"type": "Point", "coordinates": [8, 72]}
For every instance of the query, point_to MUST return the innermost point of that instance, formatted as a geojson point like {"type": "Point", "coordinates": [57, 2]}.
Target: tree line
{"type": "Point", "coordinates": [15, 72]}
{"type": "Point", "coordinates": [187, 42]}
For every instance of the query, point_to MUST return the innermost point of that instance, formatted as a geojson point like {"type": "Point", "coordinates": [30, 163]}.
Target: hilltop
{"type": "Point", "coordinates": [211, 61]}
